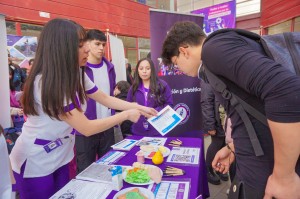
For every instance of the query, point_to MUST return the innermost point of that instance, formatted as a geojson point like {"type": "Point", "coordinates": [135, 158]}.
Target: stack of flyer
{"type": "Point", "coordinates": [96, 173]}
{"type": "Point", "coordinates": [124, 145]}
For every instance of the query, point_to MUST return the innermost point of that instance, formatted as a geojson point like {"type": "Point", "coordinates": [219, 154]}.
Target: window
{"type": "Point", "coordinates": [130, 46]}
{"type": "Point", "coordinates": [129, 42]}
{"type": "Point", "coordinates": [280, 28]}
{"type": "Point", "coordinates": [31, 30]}
{"type": "Point", "coordinates": [132, 57]}
{"type": "Point", "coordinates": [144, 43]}
{"type": "Point", "coordinates": [11, 28]}
{"type": "Point", "coordinates": [143, 53]}
{"type": "Point", "coordinates": [297, 25]}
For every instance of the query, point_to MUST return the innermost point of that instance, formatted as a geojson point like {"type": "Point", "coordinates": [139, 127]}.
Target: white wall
{"type": "Point", "coordinates": [4, 76]}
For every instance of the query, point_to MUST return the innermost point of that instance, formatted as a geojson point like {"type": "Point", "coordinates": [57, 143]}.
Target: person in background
{"type": "Point", "coordinates": [13, 101]}
{"type": "Point", "coordinates": [148, 90]}
{"type": "Point", "coordinates": [31, 61]}
{"type": "Point", "coordinates": [128, 73]}
{"type": "Point", "coordinates": [54, 95]}
{"type": "Point", "coordinates": [19, 76]}
{"type": "Point", "coordinates": [102, 73]}
{"type": "Point", "coordinates": [243, 62]}
{"type": "Point", "coordinates": [121, 91]}
{"type": "Point", "coordinates": [213, 117]}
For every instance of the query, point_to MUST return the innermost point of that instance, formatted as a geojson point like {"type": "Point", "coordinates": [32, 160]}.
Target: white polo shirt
{"type": "Point", "coordinates": [101, 80]}
{"type": "Point", "coordinates": [38, 162]}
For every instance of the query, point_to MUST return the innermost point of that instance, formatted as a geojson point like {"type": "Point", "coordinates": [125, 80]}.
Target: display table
{"type": "Point", "coordinates": [89, 183]}
{"type": "Point", "coordinates": [196, 173]}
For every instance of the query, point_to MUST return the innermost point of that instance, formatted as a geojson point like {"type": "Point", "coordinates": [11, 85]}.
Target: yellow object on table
{"type": "Point", "coordinates": [158, 158]}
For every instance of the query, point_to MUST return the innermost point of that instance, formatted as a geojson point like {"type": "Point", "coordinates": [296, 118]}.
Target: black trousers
{"type": "Point", "coordinates": [240, 190]}
{"type": "Point", "coordinates": [92, 147]}
{"type": "Point", "coordinates": [217, 142]}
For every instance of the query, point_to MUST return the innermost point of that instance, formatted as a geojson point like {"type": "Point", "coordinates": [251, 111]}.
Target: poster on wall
{"type": "Point", "coordinates": [21, 49]}
{"type": "Point", "coordinates": [185, 90]}
{"type": "Point", "coordinates": [218, 16]}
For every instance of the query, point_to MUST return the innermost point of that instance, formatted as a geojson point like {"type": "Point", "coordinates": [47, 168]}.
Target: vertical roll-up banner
{"type": "Point", "coordinates": [185, 90]}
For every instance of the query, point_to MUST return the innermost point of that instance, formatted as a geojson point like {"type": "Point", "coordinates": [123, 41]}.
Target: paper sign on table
{"type": "Point", "coordinates": [171, 189]}
{"type": "Point", "coordinates": [125, 145]}
{"type": "Point", "coordinates": [111, 157]}
{"type": "Point", "coordinates": [83, 189]}
{"type": "Point", "coordinates": [165, 120]}
{"type": "Point", "coordinates": [154, 141]}
{"type": "Point", "coordinates": [96, 173]}
{"type": "Point", "coordinates": [184, 155]}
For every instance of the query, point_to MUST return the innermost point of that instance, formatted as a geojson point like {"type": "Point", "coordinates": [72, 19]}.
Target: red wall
{"type": "Point", "coordinates": [249, 22]}
{"type": "Point", "coordinates": [123, 17]}
{"type": "Point", "coordinates": [276, 11]}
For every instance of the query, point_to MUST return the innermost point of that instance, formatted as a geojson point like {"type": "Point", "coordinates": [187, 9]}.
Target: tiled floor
{"type": "Point", "coordinates": [216, 191]}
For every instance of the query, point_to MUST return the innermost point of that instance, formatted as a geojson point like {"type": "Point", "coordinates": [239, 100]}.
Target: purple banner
{"type": "Point", "coordinates": [21, 49]}
{"type": "Point", "coordinates": [185, 90]}
{"type": "Point", "coordinates": [218, 16]}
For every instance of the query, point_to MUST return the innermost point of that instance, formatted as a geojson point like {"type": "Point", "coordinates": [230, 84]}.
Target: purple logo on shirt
{"type": "Point", "coordinates": [184, 111]}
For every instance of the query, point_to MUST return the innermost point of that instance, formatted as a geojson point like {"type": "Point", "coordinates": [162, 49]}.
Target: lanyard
{"type": "Point", "coordinates": [145, 92]}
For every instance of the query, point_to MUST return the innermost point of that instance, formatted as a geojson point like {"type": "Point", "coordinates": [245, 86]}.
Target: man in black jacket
{"type": "Point", "coordinates": [244, 63]}
{"type": "Point", "coordinates": [213, 116]}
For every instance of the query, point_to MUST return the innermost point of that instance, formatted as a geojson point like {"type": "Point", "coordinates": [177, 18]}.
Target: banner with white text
{"type": "Point", "coordinates": [186, 90]}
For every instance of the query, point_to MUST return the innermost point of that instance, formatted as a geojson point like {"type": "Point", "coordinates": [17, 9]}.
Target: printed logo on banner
{"type": "Point", "coordinates": [184, 111]}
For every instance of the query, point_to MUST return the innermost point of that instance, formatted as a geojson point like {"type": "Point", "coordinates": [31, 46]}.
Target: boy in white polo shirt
{"type": "Point", "coordinates": [102, 73]}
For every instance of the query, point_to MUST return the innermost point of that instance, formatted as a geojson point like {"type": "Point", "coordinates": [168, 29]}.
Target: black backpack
{"type": "Point", "coordinates": [284, 49]}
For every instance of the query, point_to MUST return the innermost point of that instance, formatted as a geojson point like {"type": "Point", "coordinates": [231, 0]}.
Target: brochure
{"type": "Point", "coordinates": [124, 145]}
{"type": "Point", "coordinates": [154, 141]}
{"type": "Point", "coordinates": [111, 157]}
{"type": "Point", "coordinates": [184, 155]}
{"type": "Point", "coordinates": [171, 189]}
{"type": "Point", "coordinates": [96, 173]}
{"type": "Point", "coordinates": [165, 120]}
{"type": "Point", "coordinates": [83, 189]}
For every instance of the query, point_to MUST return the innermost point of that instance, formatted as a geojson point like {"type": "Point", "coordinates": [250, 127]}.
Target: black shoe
{"type": "Point", "coordinates": [213, 178]}
{"type": "Point", "coordinates": [222, 176]}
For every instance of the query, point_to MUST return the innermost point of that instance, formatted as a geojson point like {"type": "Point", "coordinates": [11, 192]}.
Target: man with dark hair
{"type": "Point", "coordinates": [243, 62]}
{"type": "Point", "coordinates": [102, 73]}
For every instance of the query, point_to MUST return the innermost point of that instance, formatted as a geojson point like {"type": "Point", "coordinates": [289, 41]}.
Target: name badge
{"type": "Point", "coordinates": [146, 125]}
{"type": "Point", "coordinates": [53, 145]}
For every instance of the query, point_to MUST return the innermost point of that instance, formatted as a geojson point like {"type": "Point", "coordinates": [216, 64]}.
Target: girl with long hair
{"type": "Point", "coordinates": [54, 98]}
{"type": "Point", "coordinates": [148, 90]}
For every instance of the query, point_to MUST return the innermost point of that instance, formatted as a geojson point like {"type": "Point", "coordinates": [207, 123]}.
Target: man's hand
{"type": "Point", "coordinates": [288, 187]}
{"type": "Point", "coordinates": [222, 161]}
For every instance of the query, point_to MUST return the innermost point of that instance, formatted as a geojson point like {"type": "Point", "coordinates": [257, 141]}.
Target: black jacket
{"type": "Point", "coordinates": [210, 110]}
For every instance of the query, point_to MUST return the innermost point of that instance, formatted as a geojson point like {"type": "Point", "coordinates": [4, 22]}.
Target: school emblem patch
{"type": "Point", "coordinates": [184, 111]}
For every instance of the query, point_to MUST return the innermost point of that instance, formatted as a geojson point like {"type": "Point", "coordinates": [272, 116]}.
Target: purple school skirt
{"type": "Point", "coordinates": [41, 187]}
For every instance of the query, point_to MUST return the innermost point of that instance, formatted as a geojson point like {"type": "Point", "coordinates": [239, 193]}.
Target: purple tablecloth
{"type": "Point", "coordinates": [196, 173]}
